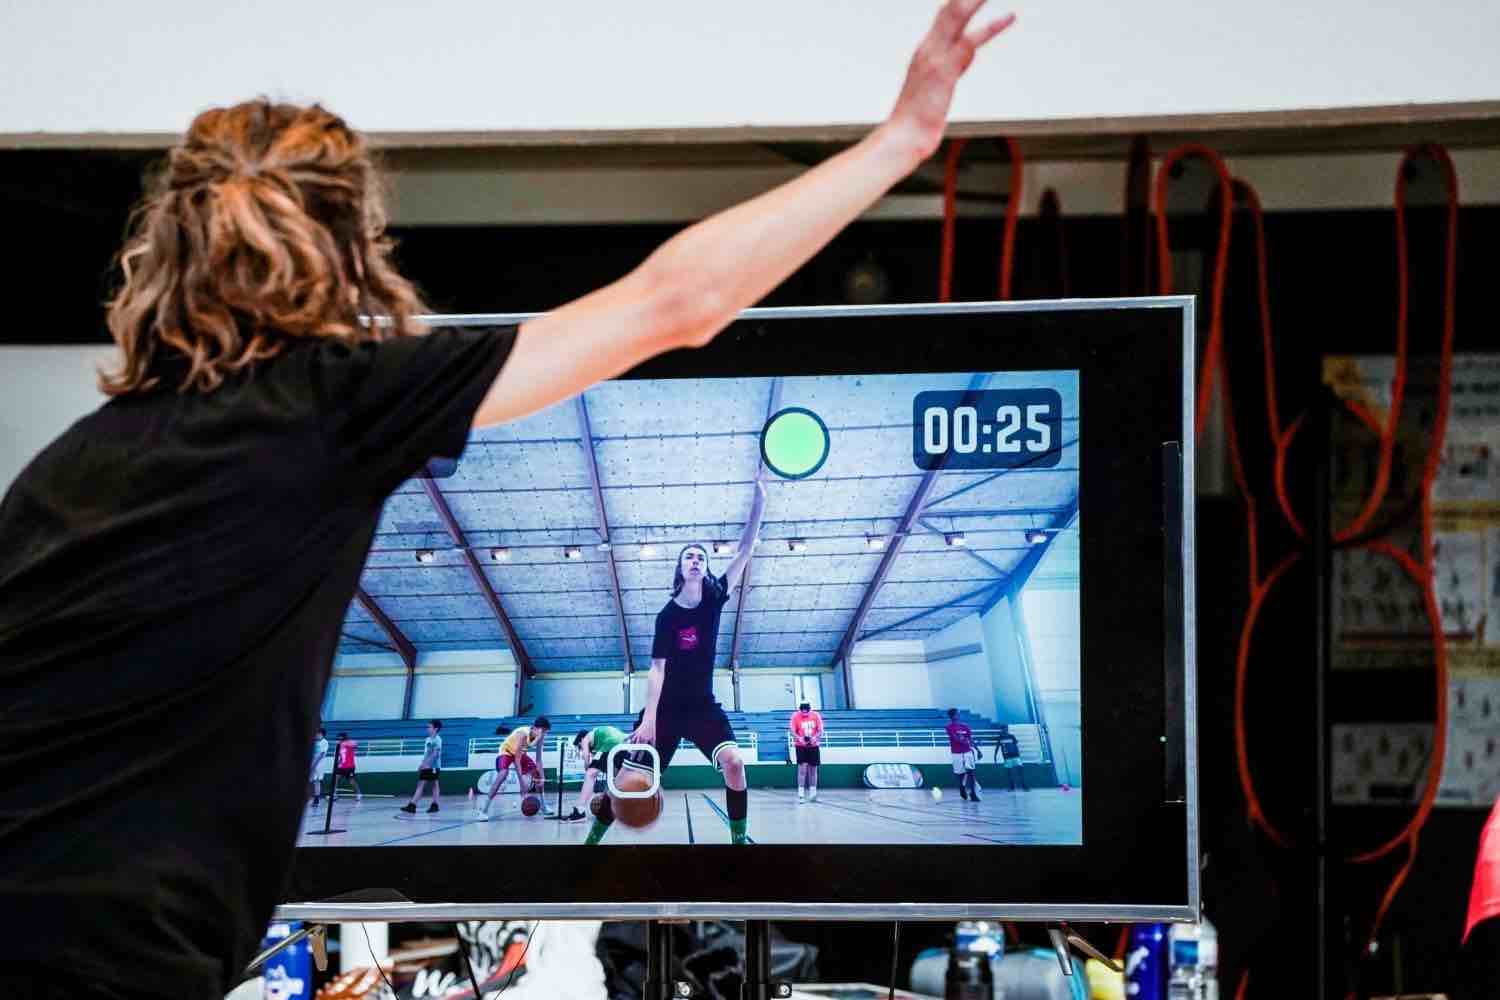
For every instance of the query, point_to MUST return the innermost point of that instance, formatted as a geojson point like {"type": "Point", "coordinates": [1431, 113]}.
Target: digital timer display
{"type": "Point", "coordinates": [987, 429]}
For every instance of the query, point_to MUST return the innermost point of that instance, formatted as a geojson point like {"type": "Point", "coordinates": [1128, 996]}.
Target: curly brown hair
{"type": "Point", "coordinates": [264, 226]}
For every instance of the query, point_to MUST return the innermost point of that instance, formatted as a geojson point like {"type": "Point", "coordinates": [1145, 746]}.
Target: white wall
{"type": "Point", "coordinates": [766, 692]}
{"type": "Point", "coordinates": [355, 696]}
{"type": "Point", "coordinates": [1007, 672]}
{"type": "Point", "coordinates": [484, 67]}
{"type": "Point", "coordinates": [890, 674]}
{"type": "Point", "coordinates": [576, 695]}
{"type": "Point", "coordinates": [441, 696]}
{"type": "Point", "coordinates": [42, 391]}
{"type": "Point", "coordinates": [958, 672]}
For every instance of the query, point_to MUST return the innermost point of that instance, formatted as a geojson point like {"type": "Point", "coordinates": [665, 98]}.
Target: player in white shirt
{"type": "Point", "coordinates": [320, 754]}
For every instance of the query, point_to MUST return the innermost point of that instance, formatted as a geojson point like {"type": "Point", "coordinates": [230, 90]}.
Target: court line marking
{"type": "Point", "coordinates": [687, 805]}
{"type": "Point", "coordinates": [724, 816]}
{"type": "Point", "coordinates": [423, 833]}
{"type": "Point", "coordinates": [954, 810]}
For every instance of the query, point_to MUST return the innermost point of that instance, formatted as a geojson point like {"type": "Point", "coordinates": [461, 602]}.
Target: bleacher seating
{"type": "Point", "coordinates": [770, 726]}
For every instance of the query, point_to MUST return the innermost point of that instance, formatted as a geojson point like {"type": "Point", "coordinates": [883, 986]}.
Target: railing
{"type": "Point", "coordinates": [1028, 737]}
{"type": "Point", "coordinates": [491, 744]}
{"type": "Point", "coordinates": [383, 748]}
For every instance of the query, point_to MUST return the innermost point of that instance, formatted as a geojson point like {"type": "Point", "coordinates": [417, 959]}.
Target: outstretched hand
{"type": "Point", "coordinates": [942, 57]}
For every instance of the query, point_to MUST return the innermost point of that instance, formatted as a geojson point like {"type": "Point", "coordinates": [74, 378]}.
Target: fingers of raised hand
{"type": "Point", "coordinates": [954, 18]}
{"type": "Point", "coordinates": [977, 37]}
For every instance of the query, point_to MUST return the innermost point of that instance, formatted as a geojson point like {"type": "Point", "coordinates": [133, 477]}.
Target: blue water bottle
{"type": "Point", "coordinates": [1146, 962]}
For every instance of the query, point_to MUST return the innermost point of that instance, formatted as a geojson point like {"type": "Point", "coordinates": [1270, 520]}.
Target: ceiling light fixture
{"type": "Point", "coordinates": [426, 556]}
{"type": "Point", "coordinates": [501, 554]}
{"type": "Point", "coordinates": [954, 539]}
{"type": "Point", "coordinates": [647, 550]}
{"type": "Point", "coordinates": [876, 542]}
{"type": "Point", "coordinates": [572, 552]}
{"type": "Point", "coordinates": [1036, 536]}
{"type": "Point", "coordinates": [796, 544]}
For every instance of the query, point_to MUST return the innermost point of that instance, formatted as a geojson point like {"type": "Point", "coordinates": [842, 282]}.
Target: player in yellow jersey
{"type": "Point", "coordinates": [516, 751]}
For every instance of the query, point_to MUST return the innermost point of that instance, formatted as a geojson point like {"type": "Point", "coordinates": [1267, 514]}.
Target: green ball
{"type": "Point", "coordinates": [794, 443]}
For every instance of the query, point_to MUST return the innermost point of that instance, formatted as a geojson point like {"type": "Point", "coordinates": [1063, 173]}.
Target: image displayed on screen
{"type": "Point", "coordinates": [799, 610]}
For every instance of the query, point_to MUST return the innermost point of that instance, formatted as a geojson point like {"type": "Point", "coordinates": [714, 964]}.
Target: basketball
{"type": "Point", "coordinates": [596, 804]}
{"type": "Point", "coordinates": [636, 813]}
{"type": "Point", "coordinates": [531, 805]}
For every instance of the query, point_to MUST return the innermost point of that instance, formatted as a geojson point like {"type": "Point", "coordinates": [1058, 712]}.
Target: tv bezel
{"type": "Point", "coordinates": [1155, 872]}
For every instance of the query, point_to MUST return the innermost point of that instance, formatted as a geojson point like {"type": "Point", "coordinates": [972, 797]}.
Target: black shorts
{"type": "Point", "coordinates": [810, 755]}
{"type": "Point", "coordinates": [704, 726]}
{"type": "Point", "coordinates": [428, 774]}
{"type": "Point", "coordinates": [343, 772]}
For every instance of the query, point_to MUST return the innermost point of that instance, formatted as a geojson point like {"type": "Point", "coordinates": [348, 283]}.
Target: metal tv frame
{"type": "Point", "coordinates": [1137, 725]}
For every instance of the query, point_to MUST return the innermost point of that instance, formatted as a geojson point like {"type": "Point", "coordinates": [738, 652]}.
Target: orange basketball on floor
{"type": "Point", "coordinates": [531, 805]}
{"type": "Point", "coordinates": [636, 813]}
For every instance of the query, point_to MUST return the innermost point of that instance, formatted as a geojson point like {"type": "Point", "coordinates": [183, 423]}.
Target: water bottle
{"type": "Point", "coordinates": [983, 936]}
{"type": "Point", "coordinates": [1208, 959]}
{"type": "Point", "coordinates": [1146, 963]}
{"type": "Point", "coordinates": [1194, 961]}
{"type": "Point", "coordinates": [1183, 980]}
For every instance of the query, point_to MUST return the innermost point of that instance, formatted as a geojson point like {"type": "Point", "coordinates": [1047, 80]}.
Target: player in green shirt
{"type": "Point", "coordinates": [594, 746]}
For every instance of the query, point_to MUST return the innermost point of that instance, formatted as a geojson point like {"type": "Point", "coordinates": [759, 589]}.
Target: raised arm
{"type": "Point", "coordinates": [736, 571]}
{"type": "Point", "coordinates": [697, 282]}
{"type": "Point", "coordinates": [646, 731]}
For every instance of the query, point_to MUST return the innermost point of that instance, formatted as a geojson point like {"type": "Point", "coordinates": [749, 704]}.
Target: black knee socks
{"type": "Point", "coordinates": [737, 802]}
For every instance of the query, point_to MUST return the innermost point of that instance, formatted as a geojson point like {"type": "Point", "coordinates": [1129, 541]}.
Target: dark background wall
{"type": "Point", "coordinates": [1332, 281]}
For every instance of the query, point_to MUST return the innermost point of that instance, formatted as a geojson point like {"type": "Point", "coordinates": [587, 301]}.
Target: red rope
{"type": "Point", "coordinates": [1211, 350]}
{"type": "Point", "coordinates": [950, 219]}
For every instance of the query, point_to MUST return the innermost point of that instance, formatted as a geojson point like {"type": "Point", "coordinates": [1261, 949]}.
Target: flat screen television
{"type": "Point", "coordinates": [974, 564]}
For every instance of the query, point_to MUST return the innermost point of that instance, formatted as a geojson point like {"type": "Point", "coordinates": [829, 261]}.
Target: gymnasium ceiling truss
{"type": "Point", "coordinates": [586, 434]}
{"type": "Point", "coordinates": [402, 645]}
{"type": "Point", "coordinates": [481, 581]}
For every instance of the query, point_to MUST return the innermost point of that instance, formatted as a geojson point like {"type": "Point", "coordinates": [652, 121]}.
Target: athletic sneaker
{"type": "Point", "coordinates": [975, 796]}
{"type": "Point", "coordinates": [800, 795]}
{"type": "Point", "coordinates": [812, 795]}
{"type": "Point", "coordinates": [432, 808]}
{"type": "Point", "coordinates": [410, 807]}
{"type": "Point", "coordinates": [482, 816]}
{"type": "Point", "coordinates": [359, 796]}
{"type": "Point", "coordinates": [574, 816]}
{"type": "Point", "coordinates": [963, 794]}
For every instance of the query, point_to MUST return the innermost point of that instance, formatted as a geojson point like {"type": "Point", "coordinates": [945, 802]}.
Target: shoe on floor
{"type": "Point", "coordinates": [359, 796]}
{"type": "Point", "coordinates": [812, 795]}
{"type": "Point", "coordinates": [432, 808]}
{"type": "Point", "coordinates": [573, 816]}
{"type": "Point", "coordinates": [482, 816]}
{"type": "Point", "coordinates": [410, 807]}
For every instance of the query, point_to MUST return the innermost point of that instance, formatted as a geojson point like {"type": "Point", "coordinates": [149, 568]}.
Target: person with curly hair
{"type": "Point", "coordinates": [178, 564]}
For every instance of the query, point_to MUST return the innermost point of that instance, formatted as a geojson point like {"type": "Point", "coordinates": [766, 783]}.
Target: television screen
{"type": "Point", "coordinates": [857, 612]}
{"type": "Point", "coordinates": [890, 656]}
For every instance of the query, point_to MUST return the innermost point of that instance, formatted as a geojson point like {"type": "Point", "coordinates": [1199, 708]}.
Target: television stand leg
{"type": "Point", "coordinates": [317, 940]}
{"type": "Point", "coordinates": [1062, 936]}
{"type": "Point", "coordinates": [758, 983]}
{"type": "Point", "coordinates": [659, 982]}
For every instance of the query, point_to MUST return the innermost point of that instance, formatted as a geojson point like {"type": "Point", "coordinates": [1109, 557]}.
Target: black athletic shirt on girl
{"type": "Point", "coordinates": [174, 574]}
{"type": "Point", "coordinates": [688, 639]}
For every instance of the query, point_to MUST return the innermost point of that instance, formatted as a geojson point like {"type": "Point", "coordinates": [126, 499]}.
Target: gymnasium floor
{"type": "Point", "coordinates": [840, 816]}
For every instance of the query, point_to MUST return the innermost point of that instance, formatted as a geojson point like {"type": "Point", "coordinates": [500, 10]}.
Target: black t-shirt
{"type": "Point", "coordinates": [688, 639]}
{"type": "Point", "coordinates": [174, 574]}
{"type": "Point", "coordinates": [1010, 747]}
